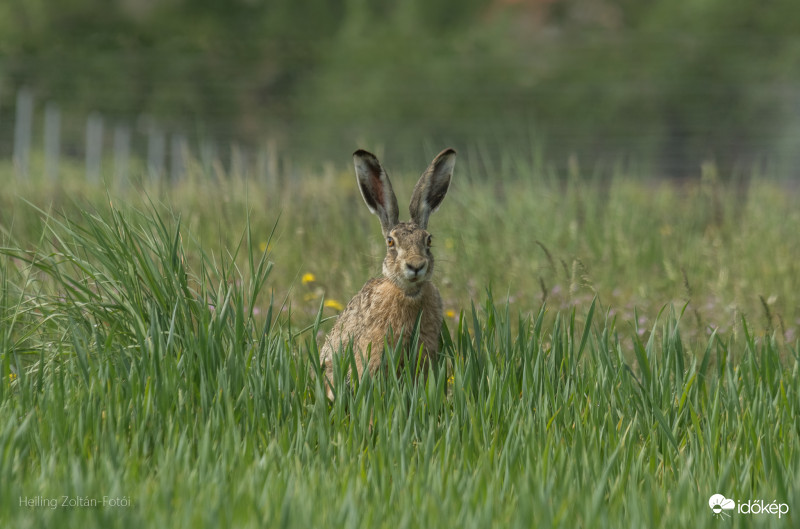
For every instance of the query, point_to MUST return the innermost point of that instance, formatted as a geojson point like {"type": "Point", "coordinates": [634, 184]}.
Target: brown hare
{"type": "Point", "coordinates": [388, 307]}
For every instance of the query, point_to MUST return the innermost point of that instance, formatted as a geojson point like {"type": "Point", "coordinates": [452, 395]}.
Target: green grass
{"type": "Point", "coordinates": [163, 353]}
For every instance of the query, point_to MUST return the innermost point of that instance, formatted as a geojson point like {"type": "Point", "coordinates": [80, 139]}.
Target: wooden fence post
{"type": "Point", "coordinates": [94, 147]}
{"type": "Point", "coordinates": [155, 153]}
{"type": "Point", "coordinates": [178, 148]}
{"type": "Point", "coordinates": [122, 150]}
{"type": "Point", "coordinates": [23, 129]}
{"type": "Point", "coordinates": [52, 141]}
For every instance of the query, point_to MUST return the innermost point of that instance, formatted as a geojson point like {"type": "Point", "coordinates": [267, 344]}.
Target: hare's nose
{"type": "Point", "coordinates": [415, 267]}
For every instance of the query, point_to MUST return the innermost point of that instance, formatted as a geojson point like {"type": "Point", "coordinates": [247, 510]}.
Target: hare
{"type": "Point", "coordinates": [389, 307]}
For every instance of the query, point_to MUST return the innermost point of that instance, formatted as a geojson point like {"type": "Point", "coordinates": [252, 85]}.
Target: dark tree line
{"type": "Point", "coordinates": [675, 83]}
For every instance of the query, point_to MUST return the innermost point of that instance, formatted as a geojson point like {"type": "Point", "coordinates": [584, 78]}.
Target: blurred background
{"type": "Point", "coordinates": [664, 85]}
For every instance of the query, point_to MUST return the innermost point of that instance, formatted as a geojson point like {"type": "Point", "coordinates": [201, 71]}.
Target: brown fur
{"type": "Point", "coordinates": [391, 314]}
{"type": "Point", "coordinates": [388, 307]}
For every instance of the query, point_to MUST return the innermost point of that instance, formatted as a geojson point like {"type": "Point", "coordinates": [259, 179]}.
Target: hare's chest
{"type": "Point", "coordinates": [400, 314]}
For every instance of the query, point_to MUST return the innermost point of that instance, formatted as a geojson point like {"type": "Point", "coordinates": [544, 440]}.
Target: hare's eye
{"type": "Point", "coordinates": [429, 241]}
{"type": "Point", "coordinates": [389, 242]}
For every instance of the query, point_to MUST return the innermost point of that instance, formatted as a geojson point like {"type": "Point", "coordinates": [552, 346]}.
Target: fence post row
{"type": "Point", "coordinates": [263, 163]}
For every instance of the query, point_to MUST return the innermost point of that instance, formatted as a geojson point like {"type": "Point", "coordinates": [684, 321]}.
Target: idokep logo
{"type": "Point", "coordinates": [719, 504]}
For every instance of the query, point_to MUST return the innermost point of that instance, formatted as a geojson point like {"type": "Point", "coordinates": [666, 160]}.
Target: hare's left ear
{"type": "Point", "coordinates": [432, 187]}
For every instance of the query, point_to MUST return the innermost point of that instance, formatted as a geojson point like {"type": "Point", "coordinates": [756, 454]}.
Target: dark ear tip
{"type": "Point", "coordinates": [361, 153]}
{"type": "Point", "coordinates": [447, 152]}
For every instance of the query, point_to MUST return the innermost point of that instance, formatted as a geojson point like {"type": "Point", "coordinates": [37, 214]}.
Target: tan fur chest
{"type": "Point", "coordinates": [381, 316]}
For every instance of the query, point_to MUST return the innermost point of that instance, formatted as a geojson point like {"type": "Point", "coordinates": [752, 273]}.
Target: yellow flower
{"type": "Point", "coordinates": [264, 246]}
{"type": "Point", "coordinates": [12, 377]}
{"type": "Point", "coordinates": [449, 243]}
{"type": "Point", "coordinates": [307, 278]}
{"type": "Point", "coordinates": [450, 313]}
{"type": "Point", "coordinates": [332, 303]}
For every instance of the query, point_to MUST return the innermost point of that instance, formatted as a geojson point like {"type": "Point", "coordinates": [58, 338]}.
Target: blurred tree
{"type": "Point", "coordinates": [674, 82]}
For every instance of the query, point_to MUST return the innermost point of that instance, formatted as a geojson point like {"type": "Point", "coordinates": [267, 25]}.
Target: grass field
{"type": "Point", "coordinates": [615, 351]}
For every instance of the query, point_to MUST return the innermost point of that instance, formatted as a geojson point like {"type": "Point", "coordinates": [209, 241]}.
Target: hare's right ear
{"type": "Point", "coordinates": [376, 189]}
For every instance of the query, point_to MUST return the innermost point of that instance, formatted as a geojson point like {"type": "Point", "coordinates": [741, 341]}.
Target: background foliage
{"type": "Point", "coordinates": [670, 83]}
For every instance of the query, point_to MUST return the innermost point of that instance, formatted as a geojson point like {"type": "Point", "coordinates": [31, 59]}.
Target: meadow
{"type": "Point", "coordinates": [616, 350]}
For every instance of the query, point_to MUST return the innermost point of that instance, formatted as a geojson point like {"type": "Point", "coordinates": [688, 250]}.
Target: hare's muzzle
{"type": "Point", "coordinates": [415, 269]}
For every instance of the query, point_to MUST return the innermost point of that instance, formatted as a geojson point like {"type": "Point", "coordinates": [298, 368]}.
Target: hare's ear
{"type": "Point", "coordinates": [432, 187]}
{"type": "Point", "coordinates": [376, 189]}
